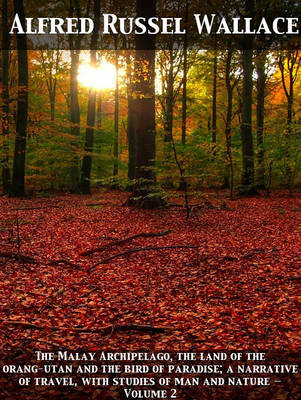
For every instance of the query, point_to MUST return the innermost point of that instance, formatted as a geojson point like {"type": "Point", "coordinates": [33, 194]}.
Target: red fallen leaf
{"type": "Point", "coordinates": [93, 348]}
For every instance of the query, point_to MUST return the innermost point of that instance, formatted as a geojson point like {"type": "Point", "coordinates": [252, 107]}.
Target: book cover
{"type": "Point", "coordinates": [150, 181]}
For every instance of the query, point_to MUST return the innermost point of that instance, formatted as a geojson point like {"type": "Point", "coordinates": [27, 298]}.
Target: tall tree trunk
{"type": "Point", "coordinates": [130, 122]}
{"type": "Point", "coordinates": [214, 96]}
{"type": "Point", "coordinates": [144, 111]}
{"type": "Point", "coordinates": [116, 117]}
{"type": "Point", "coordinates": [183, 183]}
{"type": "Point", "coordinates": [75, 122]}
{"type": "Point", "coordinates": [5, 99]}
{"type": "Point", "coordinates": [169, 101]}
{"type": "Point", "coordinates": [54, 87]}
{"type": "Point", "coordinates": [131, 139]}
{"type": "Point", "coordinates": [89, 139]}
{"type": "Point", "coordinates": [290, 105]}
{"type": "Point", "coordinates": [144, 114]}
{"type": "Point", "coordinates": [18, 184]}
{"type": "Point", "coordinates": [185, 70]}
{"type": "Point", "coordinates": [184, 99]}
{"type": "Point", "coordinates": [229, 178]}
{"type": "Point", "coordinates": [261, 82]}
{"type": "Point", "coordinates": [168, 123]}
{"type": "Point", "coordinates": [247, 179]}
{"type": "Point", "coordinates": [74, 43]}
{"type": "Point", "coordinates": [290, 102]}
{"type": "Point", "coordinates": [99, 110]}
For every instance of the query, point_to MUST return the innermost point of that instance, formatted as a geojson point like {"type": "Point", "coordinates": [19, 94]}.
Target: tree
{"type": "Point", "coordinates": [214, 96]}
{"type": "Point", "coordinates": [183, 184]}
{"type": "Point", "coordinates": [185, 73]}
{"type": "Point", "coordinates": [231, 82]}
{"type": "Point", "coordinates": [144, 114]}
{"type": "Point", "coordinates": [75, 120]}
{"type": "Point", "coordinates": [169, 99]}
{"type": "Point", "coordinates": [18, 181]}
{"type": "Point", "coordinates": [289, 63]}
{"type": "Point", "coordinates": [261, 89]}
{"type": "Point", "coordinates": [50, 63]}
{"type": "Point", "coordinates": [247, 179]}
{"type": "Point", "coordinates": [130, 120]}
{"type": "Point", "coordinates": [74, 105]}
{"type": "Point", "coordinates": [5, 98]}
{"type": "Point", "coordinates": [89, 140]}
{"type": "Point", "coordinates": [116, 115]}
{"type": "Point", "coordinates": [170, 64]}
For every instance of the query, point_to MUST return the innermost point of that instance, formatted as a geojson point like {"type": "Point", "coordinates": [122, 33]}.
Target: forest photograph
{"type": "Point", "coordinates": [150, 190]}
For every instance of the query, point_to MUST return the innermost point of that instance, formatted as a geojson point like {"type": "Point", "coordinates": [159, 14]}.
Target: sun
{"type": "Point", "coordinates": [100, 78]}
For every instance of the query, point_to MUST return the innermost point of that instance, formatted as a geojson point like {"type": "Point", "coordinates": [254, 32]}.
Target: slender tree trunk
{"type": "Point", "coordinates": [53, 87]}
{"type": "Point", "coordinates": [89, 139]}
{"type": "Point", "coordinates": [168, 123]}
{"type": "Point", "coordinates": [183, 183]}
{"type": "Point", "coordinates": [131, 139]}
{"type": "Point", "coordinates": [290, 113]}
{"type": "Point", "coordinates": [99, 110]}
{"type": "Point", "coordinates": [144, 117]}
{"type": "Point", "coordinates": [214, 96]}
{"type": "Point", "coordinates": [18, 182]}
{"type": "Point", "coordinates": [144, 109]}
{"type": "Point", "coordinates": [130, 122]}
{"type": "Point", "coordinates": [144, 103]}
{"type": "Point", "coordinates": [116, 117]}
{"type": "Point", "coordinates": [247, 180]}
{"type": "Point", "coordinates": [74, 43]}
{"type": "Point", "coordinates": [290, 103]}
{"type": "Point", "coordinates": [185, 70]}
{"type": "Point", "coordinates": [169, 102]}
{"type": "Point", "coordinates": [246, 126]}
{"type": "Point", "coordinates": [5, 99]}
{"type": "Point", "coordinates": [261, 82]}
{"type": "Point", "coordinates": [75, 122]}
{"type": "Point", "coordinates": [229, 170]}
{"type": "Point", "coordinates": [184, 99]}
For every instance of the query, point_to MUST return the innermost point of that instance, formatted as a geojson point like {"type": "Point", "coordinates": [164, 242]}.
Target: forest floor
{"type": "Point", "coordinates": [236, 289]}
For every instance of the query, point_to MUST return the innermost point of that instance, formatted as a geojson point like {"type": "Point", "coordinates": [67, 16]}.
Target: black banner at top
{"type": "Point", "coordinates": [170, 24]}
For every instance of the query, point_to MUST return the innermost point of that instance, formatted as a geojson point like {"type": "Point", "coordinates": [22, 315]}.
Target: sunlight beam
{"type": "Point", "coordinates": [101, 78]}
